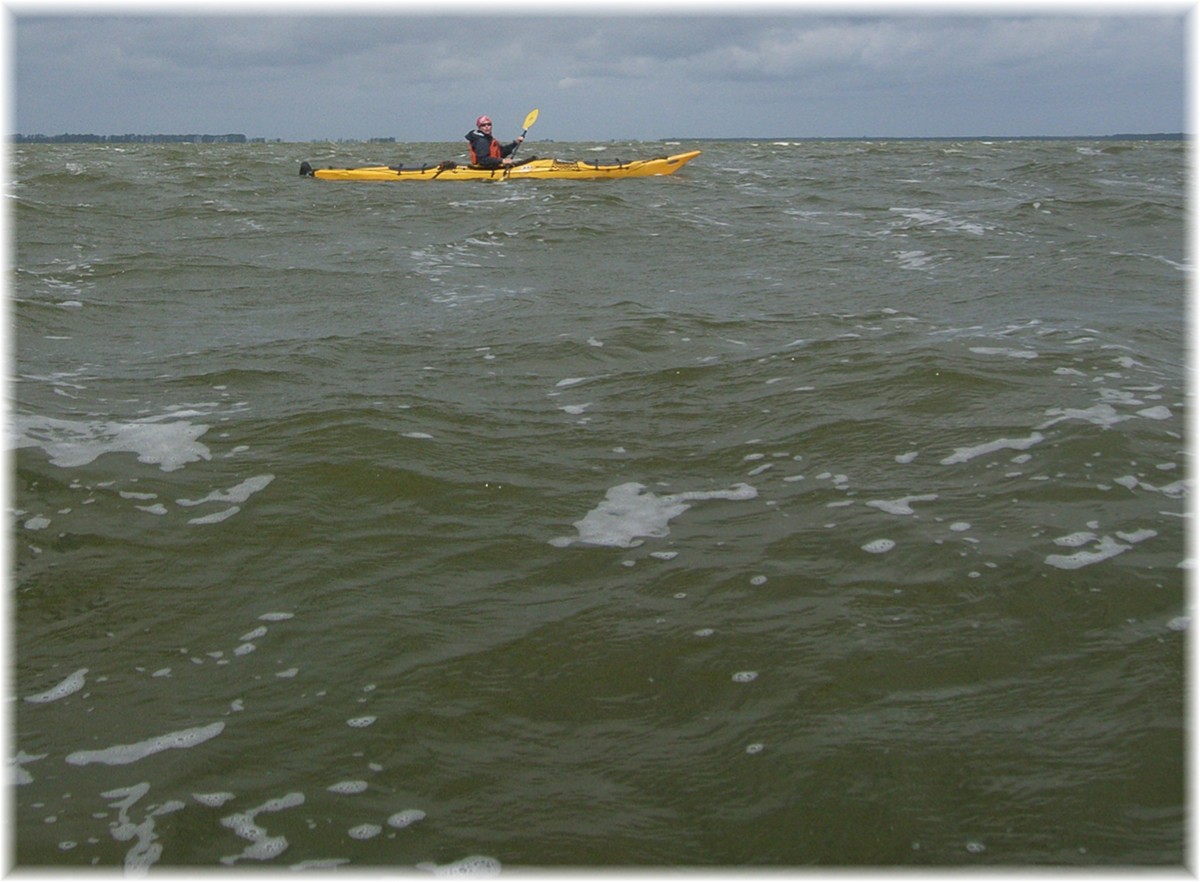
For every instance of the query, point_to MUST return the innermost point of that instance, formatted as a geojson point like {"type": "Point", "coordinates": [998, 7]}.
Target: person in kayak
{"type": "Point", "coordinates": [486, 151]}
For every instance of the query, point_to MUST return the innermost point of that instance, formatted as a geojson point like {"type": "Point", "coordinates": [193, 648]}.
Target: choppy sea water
{"type": "Point", "coordinates": [823, 504]}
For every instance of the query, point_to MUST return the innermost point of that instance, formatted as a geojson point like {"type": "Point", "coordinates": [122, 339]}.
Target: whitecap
{"type": "Point", "coordinates": [901, 506]}
{"type": "Point", "coordinates": [69, 685]}
{"type": "Point", "coordinates": [879, 546]}
{"type": "Point", "coordinates": [216, 517]}
{"type": "Point", "coordinates": [365, 831]}
{"type": "Point", "coordinates": [1076, 540]}
{"type": "Point", "coordinates": [213, 800]}
{"type": "Point", "coordinates": [405, 818]}
{"type": "Point", "coordinates": [1099, 415]}
{"type": "Point", "coordinates": [964, 454]}
{"type": "Point", "coordinates": [123, 754]}
{"type": "Point", "coordinates": [1105, 549]}
{"type": "Point", "coordinates": [1001, 350]}
{"type": "Point", "coordinates": [474, 865]}
{"type": "Point", "coordinates": [73, 443]}
{"type": "Point", "coordinates": [238, 493]}
{"type": "Point", "coordinates": [347, 788]}
{"type": "Point", "coordinates": [320, 864]}
{"type": "Point", "coordinates": [628, 513]}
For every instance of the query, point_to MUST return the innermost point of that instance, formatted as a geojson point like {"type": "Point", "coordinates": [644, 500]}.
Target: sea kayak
{"type": "Point", "coordinates": [536, 169]}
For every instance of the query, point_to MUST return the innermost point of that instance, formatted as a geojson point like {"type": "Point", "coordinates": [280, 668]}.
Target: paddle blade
{"type": "Point", "coordinates": [530, 119]}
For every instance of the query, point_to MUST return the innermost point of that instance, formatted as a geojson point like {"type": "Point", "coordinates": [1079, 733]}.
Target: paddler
{"type": "Point", "coordinates": [486, 151]}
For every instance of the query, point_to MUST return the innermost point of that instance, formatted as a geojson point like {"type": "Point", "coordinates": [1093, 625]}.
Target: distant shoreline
{"type": "Point", "coordinates": [1156, 136]}
{"type": "Point", "coordinates": [243, 139]}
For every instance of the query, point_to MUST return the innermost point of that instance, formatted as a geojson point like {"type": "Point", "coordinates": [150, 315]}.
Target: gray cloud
{"type": "Point", "coordinates": [426, 77]}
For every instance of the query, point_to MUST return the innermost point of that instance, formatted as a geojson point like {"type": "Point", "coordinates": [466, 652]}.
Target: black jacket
{"type": "Point", "coordinates": [482, 145]}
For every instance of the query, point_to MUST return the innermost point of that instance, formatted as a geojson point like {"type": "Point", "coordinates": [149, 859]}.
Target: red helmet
{"type": "Point", "coordinates": [483, 121]}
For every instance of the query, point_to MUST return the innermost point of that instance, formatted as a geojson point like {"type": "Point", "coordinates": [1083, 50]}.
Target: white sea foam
{"type": "Point", "coordinates": [19, 774]}
{"type": "Point", "coordinates": [1106, 548]}
{"type": "Point", "coordinates": [965, 454]}
{"type": "Point", "coordinates": [406, 818]}
{"type": "Point", "coordinates": [216, 517]}
{"type": "Point", "coordinates": [474, 865]}
{"type": "Point", "coordinates": [365, 831]}
{"type": "Point", "coordinates": [879, 546]}
{"type": "Point", "coordinates": [629, 512]}
{"type": "Point", "coordinates": [347, 788]}
{"type": "Point", "coordinates": [1136, 536]}
{"type": "Point", "coordinates": [244, 824]}
{"type": "Point", "coordinates": [901, 506]}
{"type": "Point", "coordinates": [146, 850]}
{"type": "Point", "coordinates": [74, 443]}
{"type": "Point", "coordinates": [913, 259]}
{"type": "Point", "coordinates": [1004, 350]}
{"type": "Point", "coordinates": [70, 685]}
{"type": "Point", "coordinates": [1076, 540]}
{"type": "Point", "coordinates": [123, 754]}
{"type": "Point", "coordinates": [925, 217]}
{"type": "Point", "coordinates": [1103, 414]}
{"type": "Point", "coordinates": [213, 800]}
{"type": "Point", "coordinates": [238, 493]}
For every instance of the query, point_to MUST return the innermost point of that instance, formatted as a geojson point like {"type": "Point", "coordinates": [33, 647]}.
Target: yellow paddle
{"type": "Point", "coordinates": [530, 119]}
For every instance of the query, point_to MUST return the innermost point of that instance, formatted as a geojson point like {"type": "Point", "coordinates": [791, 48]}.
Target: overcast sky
{"type": "Point", "coordinates": [777, 71]}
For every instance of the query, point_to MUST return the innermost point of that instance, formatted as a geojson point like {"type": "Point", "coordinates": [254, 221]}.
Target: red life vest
{"type": "Point", "coordinates": [494, 151]}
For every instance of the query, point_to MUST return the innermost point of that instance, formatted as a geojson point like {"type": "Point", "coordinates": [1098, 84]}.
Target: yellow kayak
{"type": "Point", "coordinates": [536, 169]}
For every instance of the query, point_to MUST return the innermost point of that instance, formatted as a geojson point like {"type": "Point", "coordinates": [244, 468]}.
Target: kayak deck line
{"type": "Point", "coordinates": [533, 168]}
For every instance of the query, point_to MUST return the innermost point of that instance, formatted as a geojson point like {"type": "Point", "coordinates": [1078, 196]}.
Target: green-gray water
{"type": "Point", "coordinates": [822, 504]}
